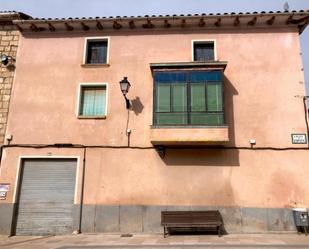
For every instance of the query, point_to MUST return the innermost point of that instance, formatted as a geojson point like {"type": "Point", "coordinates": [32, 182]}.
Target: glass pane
{"type": "Point", "coordinates": [171, 118]}
{"type": "Point", "coordinates": [163, 98]}
{"type": "Point", "coordinates": [196, 77]}
{"type": "Point", "coordinates": [204, 51]}
{"type": "Point", "coordinates": [198, 102]}
{"type": "Point", "coordinates": [170, 77]}
{"type": "Point", "coordinates": [214, 96]}
{"type": "Point", "coordinates": [99, 102]}
{"type": "Point", "coordinates": [179, 98]}
{"type": "Point", "coordinates": [97, 52]}
{"type": "Point", "coordinates": [87, 102]}
{"type": "Point", "coordinates": [207, 118]}
{"type": "Point", "coordinates": [93, 101]}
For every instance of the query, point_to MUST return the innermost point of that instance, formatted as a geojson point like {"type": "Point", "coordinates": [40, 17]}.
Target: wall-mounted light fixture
{"type": "Point", "coordinates": [124, 87]}
{"type": "Point", "coordinates": [161, 151]}
{"type": "Point", "coordinates": [7, 60]}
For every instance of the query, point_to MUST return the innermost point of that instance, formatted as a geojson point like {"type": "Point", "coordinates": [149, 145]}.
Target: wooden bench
{"type": "Point", "coordinates": [191, 219]}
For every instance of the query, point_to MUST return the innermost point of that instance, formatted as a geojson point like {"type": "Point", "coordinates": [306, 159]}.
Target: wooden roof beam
{"type": "Point", "coordinates": [183, 23]}
{"type": "Point", "coordinates": [19, 28]}
{"type": "Point", "coordinates": [253, 21]}
{"type": "Point", "coordinates": [68, 27]}
{"type": "Point", "coordinates": [148, 25]}
{"type": "Point", "coordinates": [299, 21]}
{"type": "Point", "coordinates": [289, 20]}
{"type": "Point", "coordinates": [271, 21]}
{"type": "Point", "coordinates": [132, 25]}
{"type": "Point", "coordinates": [236, 21]}
{"type": "Point", "coordinates": [218, 22]}
{"type": "Point", "coordinates": [84, 26]}
{"type": "Point", "coordinates": [167, 24]}
{"type": "Point", "coordinates": [117, 25]}
{"type": "Point", "coordinates": [34, 28]}
{"type": "Point", "coordinates": [51, 27]}
{"type": "Point", "coordinates": [201, 23]}
{"type": "Point", "coordinates": [99, 25]}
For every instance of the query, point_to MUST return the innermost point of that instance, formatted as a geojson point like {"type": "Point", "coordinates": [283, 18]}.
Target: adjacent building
{"type": "Point", "coordinates": [214, 119]}
{"type": "Point", "coordinates": [9, 36]}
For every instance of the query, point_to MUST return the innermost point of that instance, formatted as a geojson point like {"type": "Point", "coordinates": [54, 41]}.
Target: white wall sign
{"type": "Point", "coordinates": [299, 138]}
{"type": "Point", "coordinates": [4, 188]}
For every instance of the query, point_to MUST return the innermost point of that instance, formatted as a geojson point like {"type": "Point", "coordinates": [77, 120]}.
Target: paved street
{"type": "Point", "coordinates": [104, 241]}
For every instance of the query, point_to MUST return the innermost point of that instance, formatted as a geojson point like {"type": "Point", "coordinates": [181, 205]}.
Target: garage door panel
{"type": "Point", "coordinates": [34, 196]}
{"type": "Point", "coordinates": [31, 205]}
{"type": "Point", "coordinates": [46, 199]}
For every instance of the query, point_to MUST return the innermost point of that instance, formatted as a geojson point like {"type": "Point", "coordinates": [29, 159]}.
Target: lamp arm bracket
{"type": "Point", "coordinates": [128, 104]}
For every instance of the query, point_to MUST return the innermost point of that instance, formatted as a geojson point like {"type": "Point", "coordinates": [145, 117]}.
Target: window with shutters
{"type": "Point", "coordinates": [96, 51]}
{"type": "Point", "coordinates": [92, 101]}
{"type": "Point", "coordinates": [188, 98]}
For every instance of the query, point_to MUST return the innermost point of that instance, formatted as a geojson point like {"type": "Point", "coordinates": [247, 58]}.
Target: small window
{"type": "Point", "coordinates": [203, 51]}
{"type": "Point", "coordinates": [92, 101]}
{"type": "Point", "coordinates": [96, 51]}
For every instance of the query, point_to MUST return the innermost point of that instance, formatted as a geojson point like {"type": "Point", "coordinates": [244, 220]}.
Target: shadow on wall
{"type": "Point", "coordinates": [229, 93]}
{"type": "Point", "coordinates": [137, 105]}
{"type": "Point", "coordinates": [210, 156]}
{"type": "Point", "coordinates": [201, 157]}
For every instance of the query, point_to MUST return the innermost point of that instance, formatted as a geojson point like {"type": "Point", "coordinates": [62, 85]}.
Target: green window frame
{"type": "Point", "coordinates": [184, 98]}
{"type": "Point", "coordinates": [92, 101]}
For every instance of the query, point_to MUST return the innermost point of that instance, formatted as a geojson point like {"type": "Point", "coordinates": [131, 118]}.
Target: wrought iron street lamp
{"type": "Point", "coordinates": [124, 87]}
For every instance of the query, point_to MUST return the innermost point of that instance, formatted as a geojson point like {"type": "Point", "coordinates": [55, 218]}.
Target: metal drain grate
{"type": "Point", "coordinates": [126, 235]}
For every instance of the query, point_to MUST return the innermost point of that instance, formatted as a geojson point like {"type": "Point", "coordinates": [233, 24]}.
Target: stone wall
{"type": "Point", "coordinates": [147, 218]}
{"type": "Point", "coordinates": [9, 37]}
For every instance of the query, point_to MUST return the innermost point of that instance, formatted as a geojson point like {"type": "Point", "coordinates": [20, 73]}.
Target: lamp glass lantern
{"type": "Point", "coordinates": [7, 60]}
{"type": "Point", "coordinates": [124, 86]}
{"type": "Point", "coordinates": [4, 59]}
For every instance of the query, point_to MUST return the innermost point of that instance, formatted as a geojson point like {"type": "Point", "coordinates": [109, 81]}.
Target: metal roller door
{"type": "Point", "coordinates": [46, 197]}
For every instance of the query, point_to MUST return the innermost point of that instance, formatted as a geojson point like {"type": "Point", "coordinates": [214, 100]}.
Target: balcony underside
{"type": "Point", "coordinates": [189, 135]}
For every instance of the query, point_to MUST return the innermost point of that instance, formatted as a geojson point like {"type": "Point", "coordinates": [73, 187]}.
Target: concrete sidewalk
{"type": "Point", "coordinates": [106, 241]}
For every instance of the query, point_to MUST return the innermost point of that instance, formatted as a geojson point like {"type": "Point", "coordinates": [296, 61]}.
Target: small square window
{"type": "Point", "coordinates": [204, 51]}
{"type": "Point", "coordinates": [96, 51]}
{"type": "Point", "coordinates": [92, 101]}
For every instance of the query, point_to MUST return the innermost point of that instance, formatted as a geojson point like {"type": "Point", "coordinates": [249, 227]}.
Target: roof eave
{"type": "Point", "coordinates": [293, 19]}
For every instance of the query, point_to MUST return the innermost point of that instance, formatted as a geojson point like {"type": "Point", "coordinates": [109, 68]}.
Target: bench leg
{"type": "Point", "coordinates": [219, 230]}
{"type": "Point", "coordinates": [164, 232]}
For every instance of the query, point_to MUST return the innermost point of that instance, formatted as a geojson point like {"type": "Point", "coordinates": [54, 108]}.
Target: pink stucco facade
{"type": "Point", "coordinates": [261, 68]}
{"type": "Point", "coordinates": [263, 100]}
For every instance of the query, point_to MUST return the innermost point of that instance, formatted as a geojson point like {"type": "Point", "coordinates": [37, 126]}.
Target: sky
{"type": "Point", "coordinates": [93, 8]}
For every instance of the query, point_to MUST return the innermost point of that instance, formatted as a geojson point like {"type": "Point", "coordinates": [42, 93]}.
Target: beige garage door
{"type": "Point", "coordinates": [46, 197]}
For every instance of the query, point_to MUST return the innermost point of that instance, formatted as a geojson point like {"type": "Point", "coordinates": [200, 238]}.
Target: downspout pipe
{"type": "Point", "coordinates": [306, 115]}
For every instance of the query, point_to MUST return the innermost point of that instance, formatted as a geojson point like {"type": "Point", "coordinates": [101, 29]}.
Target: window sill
{"type": "Point", "coordinates": [91, 117]}
{"type": "Point", "coordinates": [95, 65]}
{"type": "Point", "coordinates": [187, 126]}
